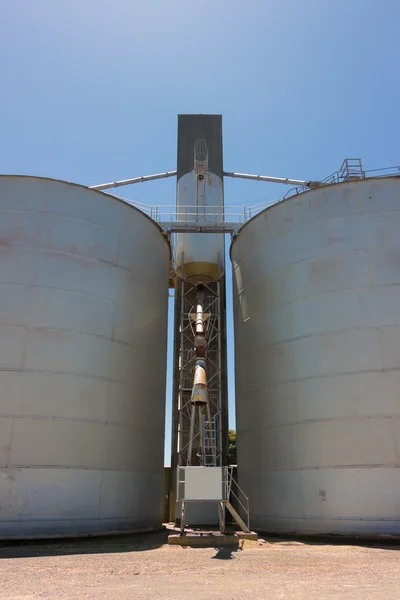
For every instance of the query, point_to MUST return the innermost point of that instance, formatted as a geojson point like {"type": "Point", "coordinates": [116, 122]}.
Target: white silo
{"type": "Point", "coordinates": [83, 316]}
{"type": "Point", "coordinates": [317, 343]}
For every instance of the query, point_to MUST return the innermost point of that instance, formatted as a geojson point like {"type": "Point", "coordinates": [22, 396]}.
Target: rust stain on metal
{"type": "Point", "coordinates": [5, 242]}
{"type": "Point", "coordinates": [332, 239]}
{"type": "Point", "coordinates": [17, 236]}
{"type": "Point", "coordinates": [200, 376]}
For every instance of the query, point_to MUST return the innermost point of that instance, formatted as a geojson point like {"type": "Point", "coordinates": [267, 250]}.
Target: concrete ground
{"type": "Point", "coordinates": [143, 567]}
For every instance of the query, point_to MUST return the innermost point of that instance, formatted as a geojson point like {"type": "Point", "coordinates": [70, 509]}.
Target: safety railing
{"type": "Point", "coordinates": [348, 173]}
{"type": "Point", "coordinates": [214, 216]}
{"type": "Point", "coordinates": [210, 215]}
{"type": "Point", "coordinates": [342, 175]}
{"type": "Point", "coordinates": [235, 491]}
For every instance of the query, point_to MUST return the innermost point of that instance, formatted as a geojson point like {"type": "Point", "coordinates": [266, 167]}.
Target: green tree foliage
{"type": "Point", "coordinates": [232, 459]}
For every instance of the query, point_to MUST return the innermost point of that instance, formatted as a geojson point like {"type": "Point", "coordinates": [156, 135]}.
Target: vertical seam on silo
{"type": "Point", "coordinates": [114, 317]}
{"type": "Point", "coordinates": [101, 492]}
{"type": "Point", "coordinates": [380, 348]}
{"type": "Point", "coordinates": [9, 447]}
{"type": "Point", "coordinates": [394, 444]}
{"type": "Point", "coordinates": [25, 348]}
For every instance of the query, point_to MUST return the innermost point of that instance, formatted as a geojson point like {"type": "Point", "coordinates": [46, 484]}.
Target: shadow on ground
{"type": "Point", "coordinates": [331, 540]}
{"type": "Point", "coordinates": [225, 553]}
{"type": "Point", "coordinates": [136, 542]}
{"type": "Point", "coordinates": [141, 542]}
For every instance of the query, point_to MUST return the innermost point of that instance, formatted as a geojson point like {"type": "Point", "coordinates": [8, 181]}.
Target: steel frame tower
{"type": "Point", "coordinates": [214, 308]}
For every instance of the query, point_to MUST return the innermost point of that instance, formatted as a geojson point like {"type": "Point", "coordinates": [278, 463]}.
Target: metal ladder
{"type": "Point", "coordinates": [210, 442]}
{"type": "Point", "coordinates": [233, 490]}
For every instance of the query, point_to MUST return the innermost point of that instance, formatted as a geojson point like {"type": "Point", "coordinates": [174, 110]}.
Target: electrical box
{"type": "Point", "coordinates": [202, 484]}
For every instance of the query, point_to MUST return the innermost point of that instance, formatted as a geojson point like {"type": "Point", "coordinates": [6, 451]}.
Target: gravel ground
{"type": "Point", "coordinates": [145, 568]}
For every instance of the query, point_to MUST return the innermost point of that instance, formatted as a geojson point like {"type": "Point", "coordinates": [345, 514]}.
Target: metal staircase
{"type": "Point", "coordinates": [351, 170]}
{"type": "Point", "coordinates": [236, 495]}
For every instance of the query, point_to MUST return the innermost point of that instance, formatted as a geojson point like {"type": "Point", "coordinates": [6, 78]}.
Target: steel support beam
{"type": "Point", "coordinates": [114, 184]}
{"type": "Point", "coordinates": [295, 182]}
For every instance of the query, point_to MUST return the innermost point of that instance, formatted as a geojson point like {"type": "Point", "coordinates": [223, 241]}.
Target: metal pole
{"type": "Point", "coordinates": [114, 184]}
{"type": "Point", "coordinates": [300, 183]}
{"type": "Point", "coordinates": [221, 515]}
{"type": "Point", "coordinates": [201, 448]}
{"type": "Point", "coordinates": [183, 516]}
{"type": "Point", "coordinates": [191, 433]}
{"type": "Point", "coordinates": [219, 422]}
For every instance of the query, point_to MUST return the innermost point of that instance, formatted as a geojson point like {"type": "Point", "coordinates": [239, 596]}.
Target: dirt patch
{"type": "Point", "coordinates": [144, 567]}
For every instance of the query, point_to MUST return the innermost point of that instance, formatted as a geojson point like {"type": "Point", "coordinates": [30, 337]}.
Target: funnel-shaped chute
{"type": "Point", "coordinates": [200, 389]}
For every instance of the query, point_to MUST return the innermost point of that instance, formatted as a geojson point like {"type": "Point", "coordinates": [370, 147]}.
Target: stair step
{"type": "Point", "coordinates": [237, 517]}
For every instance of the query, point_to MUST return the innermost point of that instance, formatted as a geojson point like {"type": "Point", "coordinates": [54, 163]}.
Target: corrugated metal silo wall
{"type": "Point", "coordinates": [83, 324]}
{"type": "Point", "coordinates": [317, 342]}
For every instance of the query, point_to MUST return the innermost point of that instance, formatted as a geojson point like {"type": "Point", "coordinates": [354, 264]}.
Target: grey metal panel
{"type": "Point", "coordinates": [34, 498]}
{"type": "Point", "coordinates": [41, 494]}
{"type": "Point", "coordinates": [317, 344]}
{"type": "Point", "coordinates": [200, 250]}
{"type": "Point", "coordinates": [120, 493]}
{"type": "Point", "coordinates": [195, 127]}
{"type": "Point", "coordinates": [84, 275]}
{"type": "Point", "coordinates": [6, 427]}
{"type": "Point", "coordinates": [62, 395]}
{"type": "Point", "coordinates": [201, 256]}
{"type": "Point", "coordinates": [12, 347]}
{"type": "Point", "coordinates": [52, 308]}
{"type": "Point", "coordinates": [83, 323]}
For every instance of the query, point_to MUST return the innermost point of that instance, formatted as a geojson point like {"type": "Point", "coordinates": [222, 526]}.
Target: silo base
{"type": "Point", "coordinates": [38, 531]}
{"type": "Point", "coordinates": [329, 528]}
{"type": "Point", "coordinates": [53, 503]}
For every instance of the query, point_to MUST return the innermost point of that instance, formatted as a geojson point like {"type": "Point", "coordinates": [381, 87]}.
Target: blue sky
{"type": "Point", "coordinates": [90, 89]}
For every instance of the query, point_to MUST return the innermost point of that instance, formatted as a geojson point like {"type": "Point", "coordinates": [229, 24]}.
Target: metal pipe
{"type": "Point", "coordinates": [183, 517]}
{"type": "Point", "coordinates": [199, 311]}
{"type": "Point", "coordinates": [221, 515]}
{"type": "Point", "coordinates": [114, 184]}
{"type": "Point", "coordinates": [296, 182]}
{"type": "Point", "coordinates": [200, 389]}
{"type": "Point", "coordinates": [201, 449]}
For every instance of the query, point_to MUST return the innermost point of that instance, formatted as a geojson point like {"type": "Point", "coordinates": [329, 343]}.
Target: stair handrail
{"type": "Point", "coordinates": [246, 508]}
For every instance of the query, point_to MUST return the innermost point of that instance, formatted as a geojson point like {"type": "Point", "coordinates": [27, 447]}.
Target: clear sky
{"type": "Point", "coordinates": [90, 89]}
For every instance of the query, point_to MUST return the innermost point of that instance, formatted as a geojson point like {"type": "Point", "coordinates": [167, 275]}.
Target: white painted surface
{"type": "Point", "coordinates": [202, 483]}
{"type": "Point", "coordinates": [83, 317]}
{"type": "Point", "coordinates": [317, 343]}
{"type": "Point", "coordinates": [204, 247]}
